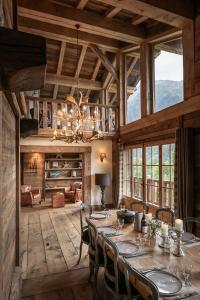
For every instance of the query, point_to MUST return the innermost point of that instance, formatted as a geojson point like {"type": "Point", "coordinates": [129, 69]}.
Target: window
{"type": "Point", "coordinates": [168, 175]}
{"type": "Point", "coordinates": [152, 174]}
{"type": "Point", "coordinates": [168, 62]}
{"type": "Point", "coordinates": [133, 92]}
{"type": "Point", "coordinates": [153, 165]}
{"type": "Point", "coordinates": [137, 178]}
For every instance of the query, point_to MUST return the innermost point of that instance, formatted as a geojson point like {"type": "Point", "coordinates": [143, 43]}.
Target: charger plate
{"type": "Point", "coordinates": [98, 216]}
{"type": "Point", "coordinates": [187, 236]}
{"type": "Point", "coordinates": [108, 230]}
{"type": "Point", "coordinates": [127, 248]}
{"type": "Point", "coordinates": [167, 283]}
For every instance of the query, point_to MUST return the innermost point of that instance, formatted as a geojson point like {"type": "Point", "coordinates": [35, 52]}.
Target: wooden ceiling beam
{"type": "Point", "coordinates": [94, 75]}
{"type": "Point", "coordinates": [60, 33]}
{"type": "Point", "coordinates": [81, 4]}
{"type": "Point", "coordinates": [79, 66]}
{"type": "Point", "coordinates": [59, 67]}
{"type": "Point", "coordinates": [90, 22]}
{"type": "Point", "coordinates": [132, 65]}
{"type": "Point", "coordinates": [109, 75]}
{"type": "Point", "coordinates": [87, 84]}
{"type": "Point", "coordinates": [176, 13]}
{"type": "Point", "coordinates": [138, 20]}
{"type": "Point", "coordinates": [22, 102]}
{"type": "Point", "coordinates": [112, 12]}
{"type": "Point", "coordinates": [105, 61]}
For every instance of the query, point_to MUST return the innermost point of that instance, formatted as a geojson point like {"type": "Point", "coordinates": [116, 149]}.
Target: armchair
{"type": "Point", "coordinates": [30, 196]}
{"type": "Point", "coordinates": [74, 192]}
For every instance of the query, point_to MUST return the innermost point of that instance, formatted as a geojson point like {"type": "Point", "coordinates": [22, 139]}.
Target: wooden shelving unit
{"type": "Point", "coordinates": [60, 172]}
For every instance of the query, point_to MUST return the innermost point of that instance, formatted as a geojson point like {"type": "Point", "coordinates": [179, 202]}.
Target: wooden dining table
{"type": "Point", "coordinates": [154, 257]}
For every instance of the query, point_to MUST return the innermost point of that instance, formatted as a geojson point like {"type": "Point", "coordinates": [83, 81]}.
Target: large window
{"type": "Point", "coordinates": [133, 92]}
{"type": "Point", "coordinates": [168, 62]}
{"type": "Point", "coordinates": [152, 165]}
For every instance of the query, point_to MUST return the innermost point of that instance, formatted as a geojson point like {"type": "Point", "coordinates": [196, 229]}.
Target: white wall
{"type": "Point", "coordinates": [96, 165]}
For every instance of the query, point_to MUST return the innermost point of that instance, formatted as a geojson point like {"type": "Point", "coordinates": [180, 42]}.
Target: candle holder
{"type": "Point", "coordinates": [178, 251]}
{"type": "Point", "coordinates": [162, 242]}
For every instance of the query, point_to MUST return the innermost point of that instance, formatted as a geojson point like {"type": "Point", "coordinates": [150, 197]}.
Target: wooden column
{"type": "Point", "coordinates": [1, 205]}
{"type": "Point", "coordinates": [121, 60]}
{"type": "Point", "coordinates": [18, 194]}
{"type": "Point", "coordinates": [189, 62]}
{"type": "Point", "coordinates": [146, 73]}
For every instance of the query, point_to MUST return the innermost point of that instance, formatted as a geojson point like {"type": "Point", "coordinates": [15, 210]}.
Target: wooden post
{"type": "Point", "coordinates": [45, 114]}
{"type": "Point", "coordinates": [122, 88]}
{"type": "Point", "coordinates": [18, 193]}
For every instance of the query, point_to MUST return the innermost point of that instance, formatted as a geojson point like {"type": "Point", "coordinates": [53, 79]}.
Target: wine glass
{"type": "Point", "coordinates": [186, 273]}
{"type": "Point", "coordinates": [119, 224]}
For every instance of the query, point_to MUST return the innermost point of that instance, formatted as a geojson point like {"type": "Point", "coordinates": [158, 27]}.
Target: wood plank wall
{"type": "Point", "coordinates": [7, 197]}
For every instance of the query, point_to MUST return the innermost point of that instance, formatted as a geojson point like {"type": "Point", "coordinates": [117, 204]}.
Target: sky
{"type": "Point", "coordinates": [169, 66]}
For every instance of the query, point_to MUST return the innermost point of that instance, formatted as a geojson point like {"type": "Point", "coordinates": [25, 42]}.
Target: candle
{"type": "Point", "coordinates": [179, 225]}
{"type": "Point", "coordinates": [164, 230]}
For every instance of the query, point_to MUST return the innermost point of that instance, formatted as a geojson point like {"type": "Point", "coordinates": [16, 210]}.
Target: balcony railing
{"type": "Point", "coordinates": [152, 191]}
{"type": "Point", "coordinates": [46, 114]}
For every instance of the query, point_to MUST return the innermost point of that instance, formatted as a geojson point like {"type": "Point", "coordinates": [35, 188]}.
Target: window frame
{"type": "Point", "coordinates": [160, 165]}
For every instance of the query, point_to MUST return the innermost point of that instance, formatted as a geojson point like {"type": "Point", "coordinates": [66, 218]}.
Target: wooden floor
{"type": "Point", "coordinates": [50, 240]}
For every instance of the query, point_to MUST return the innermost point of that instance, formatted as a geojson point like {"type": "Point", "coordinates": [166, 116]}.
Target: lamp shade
{"type": "Point", "coordinates": [102, 179]}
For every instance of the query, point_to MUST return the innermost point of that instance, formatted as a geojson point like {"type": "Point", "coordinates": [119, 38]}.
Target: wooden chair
{"type": "Point", "coordinates": [166, 214]}
{"type": "Point", "coordinates": [95, 252]}
{"type": "Point", "coordinates": [114, 280]}
{"type": "Point", "coordinates": [84, 232]}
{"type": "Point", "coordinates": [189, 222]}
{"type": "Point", "coordinates": [148, 289]}
{"type": "Point", "coordinates": [143, 206]}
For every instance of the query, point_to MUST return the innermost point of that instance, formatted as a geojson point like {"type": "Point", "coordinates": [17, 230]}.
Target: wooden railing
{"type": "Point", "coordinates": [46, 113]}
{"type": "Point", "coordinates": [153, 191]}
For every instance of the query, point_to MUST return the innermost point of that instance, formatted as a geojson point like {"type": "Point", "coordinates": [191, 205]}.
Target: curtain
{"type": "Point", "coordinates": [184, 173]}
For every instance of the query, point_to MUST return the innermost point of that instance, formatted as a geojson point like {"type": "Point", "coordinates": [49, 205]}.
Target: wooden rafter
{"type": "Point", "coordinates": [105, 61]}
{"type": "Point", "coordinates": [79, 65]}
{"type": "Point", "coordinates": [94, 75]}
{"type": "Point", "coordinates": [89, 22]}
{"type": "Point", "coordinates": [138, 20]}
{"type": "Point", "coordinates": [109, 75]}
{"type": "Point", "coordinates": [177, 13]}
{"type": "Point", "coordinates": [113, 99]}
{"type": "Point", "coordinates": [59, 67]}
{"type": "Point", "coordinates": [112, 12]}
{"type": "Point", "coordinates": [87, 84]}
{"type": "Point", "coordinates": [81, 4]}
{"type": "Point", "coordinates": [132, 65]}
{"type": "Point", "coordinates": [60, 33]}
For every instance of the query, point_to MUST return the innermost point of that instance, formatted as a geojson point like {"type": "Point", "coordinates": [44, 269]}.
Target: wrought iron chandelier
{"type": "Point", "coordinates": [79, 124]}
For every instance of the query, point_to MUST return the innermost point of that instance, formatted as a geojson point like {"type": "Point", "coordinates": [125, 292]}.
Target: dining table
{"type": "Point", "coordinates": [152, 257]}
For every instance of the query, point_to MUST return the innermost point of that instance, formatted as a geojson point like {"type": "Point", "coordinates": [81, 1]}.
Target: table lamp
{"type": "Point", "coordinates": [102, 180]}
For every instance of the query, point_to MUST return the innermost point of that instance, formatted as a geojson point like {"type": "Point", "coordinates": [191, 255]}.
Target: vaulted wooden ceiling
{"type": "Point", "coordinates": [106, 28]}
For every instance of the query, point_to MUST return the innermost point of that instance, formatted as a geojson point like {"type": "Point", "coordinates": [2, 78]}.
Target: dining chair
{"type": "Point", "coordinates": [84, 230]}
{"type": "Point", "coordinates": [96, 259]}
{"type": "Point", "coordinates": [143, 206]}
{"type": "Point", "coordinates": [189, 222]}
{"type": "Point", "coordinates": [114, 279]}
{"type": "Point", "coordinates": [166, 214]}
{"type": "Point", "coordinates": [147, 289]}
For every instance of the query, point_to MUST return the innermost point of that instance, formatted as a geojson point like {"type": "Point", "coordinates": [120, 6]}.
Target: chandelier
{"type": "Point", "coordinates": [79, 124]}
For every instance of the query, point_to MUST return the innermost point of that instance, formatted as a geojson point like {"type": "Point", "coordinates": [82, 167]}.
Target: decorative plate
{"type": "Point", "coordinates": [167, 283]}
{"type": "Point", "coordinates": [127, 248]}
{"type": "Point", "coordinates": [97, 216]}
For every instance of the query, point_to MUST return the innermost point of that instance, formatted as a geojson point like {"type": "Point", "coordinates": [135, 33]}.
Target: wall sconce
{"type": "Point", "coordinates": [102, 156]}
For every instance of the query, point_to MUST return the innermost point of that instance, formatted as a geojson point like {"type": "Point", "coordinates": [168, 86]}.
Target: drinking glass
{"type": "Point", "coordinates": [187, 273]}
{"type": "Point", "coordinates": [119, 224]}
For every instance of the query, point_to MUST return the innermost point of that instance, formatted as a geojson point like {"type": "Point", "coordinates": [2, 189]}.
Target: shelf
{"type": "Point", "coordinates": [63, 159]}
{"type": "Point", "coordinates": [62, 169]}
{"type": "Point", "coordinates": [55, 188]}
{"type": "Point", "coordinates": [61, 178]}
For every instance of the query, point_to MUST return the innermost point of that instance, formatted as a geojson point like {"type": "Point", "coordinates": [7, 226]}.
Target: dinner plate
{"type": "Point", "coordinates": [127, 248]}
{"type": "Point", "coordinates": [108, 230]}
{"type": "Point", "coordinates": [187, 236]}
{"type": "Point", "coordinates": [97, 216]}
{"type": "Point", "coordinates": [167, 283]}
